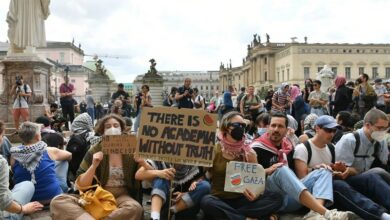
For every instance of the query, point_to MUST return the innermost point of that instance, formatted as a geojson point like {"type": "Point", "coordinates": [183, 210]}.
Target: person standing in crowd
{"type": "Point", "coordinates": [380, 91]}
{"type": "Point", "coordinates": [199, 102]}
{"type": "Point", "coordinates": [35, 161]}
{"type": "Point", "coordinates": [219, 204]}
{"type": "Point", "coordinates": [99, 110]}
{"type": "Point", "coordinates": [185, 94]}
{"type": "Point", "coordinates": [67, 92]}
{"type": "Point", "coordinates": [318, 99]}
{"type": "Point", "coordinates": [362, 188]}
{"type": "Point", "coordinates": [275, 153]}
{"type": "Point", "coordinates": [15, 203]}
{"type": "Point", "coordinates": [308, 89]}
{"type": "Point", "coordinates": [239, 98]}
{"type": "Point", "coordinates": [116, 174]}
{"type": "Point", "coordinates": [124, 97]}
{"type": "Point", "coordinates": [142, 100]}
{"type": "Point", "coordinates": [20, 92]}
{"type": "Point", "coordinates": [90, 105]}
{"type": "Point", "coordinates": [365, 95]}
{"type": "Point", "coordinates": [83, 106]}
{"type": "Point", "coordinates": [227, 100]}
{"type": "Point", "coordinates": [251, 104]}
{"type": "Point", "coordinates": [268, 99]}
{"type": "Point", "coordinates": [281, 99]}
{"type": "Point", "coordinates": [343, 97]}
{"type": "Point", "coordinates": [214, 103]}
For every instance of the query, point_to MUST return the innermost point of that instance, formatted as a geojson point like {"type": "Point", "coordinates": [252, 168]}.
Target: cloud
{"type": "Point", "coordinates": [199, 34]}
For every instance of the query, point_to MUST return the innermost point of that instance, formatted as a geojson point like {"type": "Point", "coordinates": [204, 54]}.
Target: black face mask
{"type": "Point", "coordinates": [237, 133]}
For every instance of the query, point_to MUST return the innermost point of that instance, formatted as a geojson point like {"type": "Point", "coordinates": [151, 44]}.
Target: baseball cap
{"type": "Point", "coordinates": [326, 121]}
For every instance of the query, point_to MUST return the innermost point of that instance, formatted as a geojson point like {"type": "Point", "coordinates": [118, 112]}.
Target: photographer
{"type": "Point", "coordinates": [21, 93]}
{"type": "Point", "coordinates": [184, 95]}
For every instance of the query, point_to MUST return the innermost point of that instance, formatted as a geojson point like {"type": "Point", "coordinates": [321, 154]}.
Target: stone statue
{"type": "Point", "coordinates": [100, 69]}
{"type": "Point", "coordinates": [326, 76]}
{"type": "Point", "coordinates": [26, 27]}
{"type": "Point", "coordinates": [259, 39]}
{"type": "Point", "coordinates": [249, 47]}
{"type": "Point", "coordinates": [255, 42]}
{"type": "Point", "coordinates": [152, 70]}
{"type": "Point", "coordinates": [267, 37]}
{"type": "Point", "coordinates": [305, 40]}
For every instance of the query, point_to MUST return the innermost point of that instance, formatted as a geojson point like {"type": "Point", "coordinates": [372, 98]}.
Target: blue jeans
{"type": "Point", "coordinates": [240, 208]}
{"type": "Point", "coordinates": [21, 193]}
{"type": "Point", "coordinates": [317, 111]}
{"type": "Point", "coordinates": [62, 174]}
{"type": "Point", "coordinates": [191, 199]}
{"type": "Point", "coordinates": [91, 112]}
{"type": "Point", "coordinates": [137, 121]}
{"type": "Point", "coordinates": [363, 194]}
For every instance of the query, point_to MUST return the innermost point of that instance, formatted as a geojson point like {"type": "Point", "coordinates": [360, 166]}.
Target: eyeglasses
{"type": "Point", "coordinates": [380, 128]}
{"type": "Point", "coordinates": [237, 124]}
{"type": "Point", "coordinates": [329, 130]}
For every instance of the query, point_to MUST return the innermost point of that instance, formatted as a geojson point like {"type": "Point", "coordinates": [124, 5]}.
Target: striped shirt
{"type": "Point", "coordinates": [279, 98]}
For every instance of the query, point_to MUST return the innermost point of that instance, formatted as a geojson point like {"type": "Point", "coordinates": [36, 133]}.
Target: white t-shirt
{"type": "Point", "coordinates": [21, 103]}
{"type": "Point", "coordinates": [318, 155]}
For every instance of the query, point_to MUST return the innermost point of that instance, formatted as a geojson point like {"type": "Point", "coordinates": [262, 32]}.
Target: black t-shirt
{"type": "Point", "coordinates": [185, 102]}
{"type": "Point", "coordinates": [267, 158]}
{"type": "Point", "coordinates": [118, 94]}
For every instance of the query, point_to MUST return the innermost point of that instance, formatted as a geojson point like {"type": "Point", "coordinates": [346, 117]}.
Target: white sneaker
{"type": "Point", "coordinates": [312, 215]}
{"type": "Point", "coordinates": [339, 215]}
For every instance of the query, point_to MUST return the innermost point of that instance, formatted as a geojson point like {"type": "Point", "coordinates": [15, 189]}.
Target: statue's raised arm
{"type": "Point", "coordinates": [26, 24]}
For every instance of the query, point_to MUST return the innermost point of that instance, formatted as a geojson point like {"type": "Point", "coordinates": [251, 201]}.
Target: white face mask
{"type": "Point", "coordinates": [378, 135]}
{"type": "Point", "coordinates": [261, 131]}
{"type": "Point", "coordinates": [113, 131]}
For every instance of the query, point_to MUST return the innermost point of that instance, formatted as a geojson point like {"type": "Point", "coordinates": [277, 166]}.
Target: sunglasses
{"type": "Point", "coordinates": [329, 130]}
{"type": "Point", "coordinates": [237, 124]}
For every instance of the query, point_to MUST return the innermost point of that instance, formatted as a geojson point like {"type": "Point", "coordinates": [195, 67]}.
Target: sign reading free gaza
{"type": "Point", "coordinates": [182, 136]}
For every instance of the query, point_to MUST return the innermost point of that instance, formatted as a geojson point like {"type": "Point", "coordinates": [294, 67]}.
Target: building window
{"type": "Point", "coordinates": [361, 70]}
{"type": "Point", "coordinates": [265, 76]}
{"type": "Point", "coordinates": [348, 72]}
{"type": "Point", "coordinates": [212, 87]}
{"type": "Point", "coordinates": [306, 72]}
{"type": "Point", "coordinates": [334, 70]}
{"type": "Point", "coordinates": [201, 87]}
{"type": "Point", "coordinates": [217, 87]}
{"type": "Point", "coordinates": [239, 77]}
{"type": "Point", "coordinates": [62, 57]}
{"type": "Point", "coordinates": [207, 88]}
{"type": "Point", "coordinates": [374, 72]}
{"type": "Point", "coordinates": [319, 69]}
{"type": "Point", "coordinates": [265, 60]}
{"type": "Point", "coordinates": [387, 72]}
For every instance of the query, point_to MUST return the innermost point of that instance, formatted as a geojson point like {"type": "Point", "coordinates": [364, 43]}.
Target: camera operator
{"type": "Point", "coordinates": [184, 95]}
{"type": "Point", "coordinates": [21, 93]}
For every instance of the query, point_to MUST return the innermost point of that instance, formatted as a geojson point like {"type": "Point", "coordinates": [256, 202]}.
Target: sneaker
{"type": "Point", "coordinates": [312, 215]}
{"type": "Point", "coordinates": [339, 215]}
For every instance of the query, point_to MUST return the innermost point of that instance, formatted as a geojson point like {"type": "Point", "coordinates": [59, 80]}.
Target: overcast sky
{"type": "Point", "coordinates": [199, 34]}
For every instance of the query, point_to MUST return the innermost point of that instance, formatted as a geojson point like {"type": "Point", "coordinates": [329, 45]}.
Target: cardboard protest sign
{"type": "Point", "coordinates": [241, 175]}
{"type": "Point", "coordinates": [119, 144]}
{"type": "Point", "coordinates": [183, 136]}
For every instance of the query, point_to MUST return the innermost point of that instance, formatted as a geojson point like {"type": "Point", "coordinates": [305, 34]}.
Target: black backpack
{"type": "Point", "coordinates": [309, 152]}
{"type": "Point", "coordinates": [78, 146]}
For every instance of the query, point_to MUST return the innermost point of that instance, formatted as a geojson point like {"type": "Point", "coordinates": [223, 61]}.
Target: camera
{"type": "Point", "coordinates": [18, 80]}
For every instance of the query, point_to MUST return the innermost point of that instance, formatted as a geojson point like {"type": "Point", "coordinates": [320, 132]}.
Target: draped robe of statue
{"type": "Point", "coordinates": [326, 76]}
{"type": "Point", "coordinates": [26, 25]}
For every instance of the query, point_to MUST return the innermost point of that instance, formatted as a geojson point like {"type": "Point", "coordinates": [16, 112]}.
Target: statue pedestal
{"type": "Point", "coordinates": [36, 73]}
{"type": "Point", "coordinates": [155, 83]}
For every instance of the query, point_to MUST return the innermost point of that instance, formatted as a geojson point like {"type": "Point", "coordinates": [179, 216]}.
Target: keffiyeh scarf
{"type": "Point", "coordinates": [29, 156]}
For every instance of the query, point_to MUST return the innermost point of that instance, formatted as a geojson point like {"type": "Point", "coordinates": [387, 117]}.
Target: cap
{"type": "Point", "coordinates": [378, 81]}
{"type": "Point", "coordinates": [326, 121]}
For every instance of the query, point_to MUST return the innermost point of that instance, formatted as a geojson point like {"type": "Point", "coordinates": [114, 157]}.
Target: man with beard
{"type": "Point", "coordinates": [275, 151]}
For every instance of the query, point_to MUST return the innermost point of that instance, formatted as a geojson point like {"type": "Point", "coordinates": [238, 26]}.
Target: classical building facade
{"type": "Point", "coordinates": [205, 81]}
{"type": "Point", "coordinates": [269, 64]}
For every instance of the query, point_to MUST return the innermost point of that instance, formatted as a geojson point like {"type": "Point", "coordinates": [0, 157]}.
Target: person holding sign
{"type": "Point", "coordinates": [275, 153]}
{"type": "Point", "coordinates": [116, 174]}
{"type": "Point", "coordinates": [232, 146]}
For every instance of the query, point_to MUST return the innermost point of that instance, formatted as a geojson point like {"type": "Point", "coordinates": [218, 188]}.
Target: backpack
{"type": "Point", "coordinates": [309, 152]}
{"type": "Point", "coordinates": [78, 146]}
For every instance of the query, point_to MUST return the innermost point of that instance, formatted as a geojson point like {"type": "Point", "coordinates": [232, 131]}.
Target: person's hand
{"type": "Point", "coordinates": [318, 166]}
{"type": "Point", "coordinates": [193, 186]}
{"type": "Point", "coordinates": [290, 132]}
{"type": "Point", "coordinates": [344, 175]}
{"type": "Point", "coordinates": [272, 168]}
{"type": "Point", "coordinates": [250, 196]}
{"type": "Point", "coordinates": [97, 158]}
{"type": "Point", "coordinates": [167, 174]}
{"type": "Point", "coordinates": [178, 196]}
{"type": "Point", "coordinates": [32, 207]}
{"type": "Point", "coordinates": [186, 93]}
{"type": "Point", "coordinates": [339, 166]}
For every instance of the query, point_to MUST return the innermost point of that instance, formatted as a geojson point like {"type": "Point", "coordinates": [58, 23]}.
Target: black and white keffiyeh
{"type": "Point", "coordinates": [29, 156]}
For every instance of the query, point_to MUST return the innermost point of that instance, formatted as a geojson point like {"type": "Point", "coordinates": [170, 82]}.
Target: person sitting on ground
{"type": "Point", "coordinates": [275, 154]}
{"type": "Point", "coordinates": [344, 119]}
{"type": "Point", "coordinates": [34, 161]}
{"type": "Point", "coordinates": [281, 99]}
{"type": "Point", "coordinates": [232, 146]}
{"type": "Point", "coordinates": [262, 123]}
{"type": "Point", "coordinates": [129, 125]}
{"type": "Point", "coordinates": [15, 203]}
{"type": "Point", "coordinates": [115, 173]}
{"type": "Point", "coordinates": [49, 136]}
{"type": "Point", "coordinates": [308, 128]}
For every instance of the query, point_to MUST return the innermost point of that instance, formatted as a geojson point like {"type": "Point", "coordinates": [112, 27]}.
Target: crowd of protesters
{"type": "Point", "coordinates": [325, 154]}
